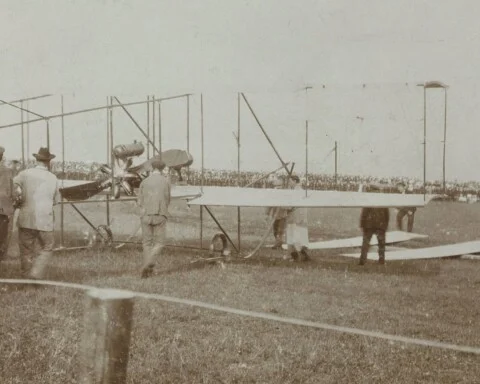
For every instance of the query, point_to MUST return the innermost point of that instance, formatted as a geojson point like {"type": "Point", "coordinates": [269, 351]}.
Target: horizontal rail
{"type": "Point", "coordinates": [94, 109]}
{"type": "Point", "coordinates": [95, 201]}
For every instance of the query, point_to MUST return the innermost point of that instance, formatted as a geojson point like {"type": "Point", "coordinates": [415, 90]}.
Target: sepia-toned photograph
{"type": "Point", "coordinates": [239, 191]}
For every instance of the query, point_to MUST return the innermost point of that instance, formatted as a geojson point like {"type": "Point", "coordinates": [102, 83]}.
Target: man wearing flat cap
{"type": "Point", "coordinates": [39, 193]}
{"type": "Point", "coordinates": [6, 203]}
{"type": "Point", "coordinates": [153, 201]}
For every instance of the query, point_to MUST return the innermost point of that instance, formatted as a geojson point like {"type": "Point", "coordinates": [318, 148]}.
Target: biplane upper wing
{"type": "Point", "coordinates": [251, 197]}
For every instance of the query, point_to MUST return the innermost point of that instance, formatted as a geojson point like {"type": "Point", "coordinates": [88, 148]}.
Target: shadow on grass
{"type": "Point", "coordinates": [322, 260]}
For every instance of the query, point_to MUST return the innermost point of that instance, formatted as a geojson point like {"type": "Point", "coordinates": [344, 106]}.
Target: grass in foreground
{"type": "Point", "coordinates": [40, 329]}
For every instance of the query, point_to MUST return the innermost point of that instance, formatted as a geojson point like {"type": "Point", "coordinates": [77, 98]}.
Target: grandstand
{"type": "Point", "coordinates": [89, 170]}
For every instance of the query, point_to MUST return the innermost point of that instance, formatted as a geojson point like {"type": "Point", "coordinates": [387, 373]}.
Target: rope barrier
{"type": "Point", "coordinates": [263, 316]}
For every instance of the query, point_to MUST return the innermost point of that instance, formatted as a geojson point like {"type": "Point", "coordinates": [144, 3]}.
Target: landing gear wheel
{"type": "Point", "coordinates": [220, 239]}
{"type": "Point", "coordinates": [105, 236]}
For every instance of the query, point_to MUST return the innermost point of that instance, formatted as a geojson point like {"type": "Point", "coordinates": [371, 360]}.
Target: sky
{"type": "Point", "coordinates": [362, 61]}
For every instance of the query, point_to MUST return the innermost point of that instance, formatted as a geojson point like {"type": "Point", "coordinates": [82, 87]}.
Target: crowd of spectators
{"type": "Point", "coordinates": [89, 170]}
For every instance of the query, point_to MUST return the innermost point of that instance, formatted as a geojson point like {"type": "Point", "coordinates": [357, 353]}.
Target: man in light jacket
{"type": "Point", "coordinates": [39, 193]}
{"type": "Point", "coordinates": [153, 201]}
{"type": "Point", "coordinates": [297, 227]}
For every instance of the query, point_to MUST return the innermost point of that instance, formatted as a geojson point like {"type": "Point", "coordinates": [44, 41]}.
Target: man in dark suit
{"type": "Point", "coordinates": [374, 221]}
{"type": "Point", "coordinates": [153, 201]}
{"type": "Point", "coordinates": [6, 203]}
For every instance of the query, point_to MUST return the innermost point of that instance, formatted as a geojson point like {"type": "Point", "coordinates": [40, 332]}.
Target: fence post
{"type": "Point", "coordinates": [106, 338]}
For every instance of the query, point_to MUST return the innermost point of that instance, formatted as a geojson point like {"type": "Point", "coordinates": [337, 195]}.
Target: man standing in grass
{"type": "Point", "coordinates": [405, 211]}
{"type": "Point", "coordinates": [374, 221]}
{"type": "Point", "coordinates": [280, 218]}
{"type": "Point", "coordinates": [6, 203]}
{"type": "Point", "coordinates": [39, 191]}
{"type": "Point", "coordinates": [153, 201]}
{"type": "Point", "coordinates": [297, 227]}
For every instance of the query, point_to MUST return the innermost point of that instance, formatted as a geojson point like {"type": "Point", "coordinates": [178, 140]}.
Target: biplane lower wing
{"type": "Point", "coordinates": [392, 237]}
{"type": "Point", "coordinates": [77, 190]}
{"type": "Point", "coordinates": [450, 250]}
{"type": "Point", "coordinates": [352, 242]}
{"type": "Point", "coordinates": [252, 197]}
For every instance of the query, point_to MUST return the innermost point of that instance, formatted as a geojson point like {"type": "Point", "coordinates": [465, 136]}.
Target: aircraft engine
{"type": "Point", "coordinates": [128, 150]}
{"type": "Point", "coordinates": [105, 169]}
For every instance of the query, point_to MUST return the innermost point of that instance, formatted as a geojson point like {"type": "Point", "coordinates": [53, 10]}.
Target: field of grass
{"type": "Point", "coordinates": [41, 329]}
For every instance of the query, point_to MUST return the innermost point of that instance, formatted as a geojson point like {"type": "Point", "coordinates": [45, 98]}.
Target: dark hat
{"type": "Point", "coordinates": [43, 154]}
{"type": "Point", "coordinates": [157, 163]}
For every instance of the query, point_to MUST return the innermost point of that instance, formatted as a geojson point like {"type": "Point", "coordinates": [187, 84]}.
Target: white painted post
{"type": "Point", "coordinates": [106, 339]}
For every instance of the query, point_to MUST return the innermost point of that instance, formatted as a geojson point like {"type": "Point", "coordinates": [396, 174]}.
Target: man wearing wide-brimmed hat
{"type": "Point", "coordinates": [153, 201]}
{"type": "Point", "coordinates": [6, 204]}
{"type": "Point", "coordinates": [39, 191]}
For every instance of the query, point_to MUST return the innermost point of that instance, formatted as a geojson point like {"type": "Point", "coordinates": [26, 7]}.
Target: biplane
{"type": "Point", "coordinates": [122, 180]}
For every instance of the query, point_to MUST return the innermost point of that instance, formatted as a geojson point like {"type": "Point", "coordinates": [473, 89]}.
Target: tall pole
{"type": "Point", "coordinates": [444, 142]}
{"type": "Point", "coordinates": [306, 158]}
{"type": "Point", "coordinates": [148, 127]}
{"type": "Point", "coordinates": [28, 135]}
{"type": "Point", "coordinates": [202, 175]}
{"type": "Point", "coordinates": [153, 124]}
{"type": "Point", "coordinates": [109, 147]}
{"type": "Point", "coordinates": [238, 138]}
{"type": "Point", "coordinates": [424, 141]}
{"type": "Point", "coordinates": [238, 167]}
{"type": "Point", "coordinates": [62, 214]}
{"type": "Point", "coordinates": [112, 163]}
{"type": "Point", "coordinates": [154, 128]}
{"type": "Point", "coordinates": [108, 131]}
{"type": "Point", "coordinates": [23, 135]}
{"type": "Point", "coordinates": [306, 140]}
{"type": "Point", "coordinates": [48, 133]}
{"type": "Point", "coordinates": [336, 165]}
{"type": "Point", "coordinates": [202, 140]}
{"type": "Point", "coordinates": [188, 135]}
{"type": "Point", "coordinates": [188, 123]}
{"type": "Point", "coordinates": [160, 127]}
